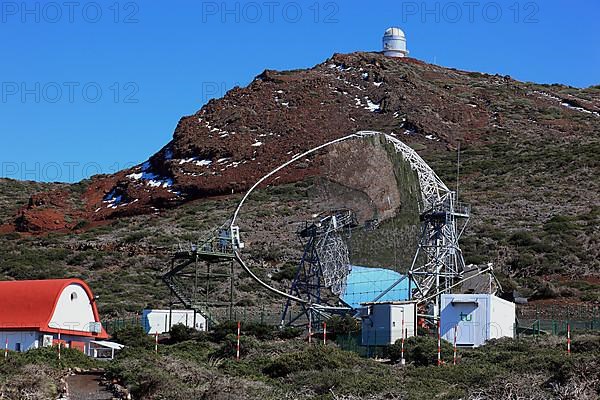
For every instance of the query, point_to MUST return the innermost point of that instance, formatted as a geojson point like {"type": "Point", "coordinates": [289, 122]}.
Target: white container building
{"type": "Point", "coordinates": [477, 318]}
{"type": "Point", "coordinates": [382, 322]}
{"type": "Point", "coordinates": [161, 321]}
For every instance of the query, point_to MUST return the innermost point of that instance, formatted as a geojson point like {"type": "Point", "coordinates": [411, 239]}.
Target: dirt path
{"type": "Point", "coordinates": [87, 387]}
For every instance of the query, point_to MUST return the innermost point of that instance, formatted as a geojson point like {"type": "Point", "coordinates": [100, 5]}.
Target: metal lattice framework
{"type": "Point", "coordinates": [325, 262]}
{"type": "Point", "coordinates": [438, 261]}
{"type": "Point", "coordinates": [335, 262]}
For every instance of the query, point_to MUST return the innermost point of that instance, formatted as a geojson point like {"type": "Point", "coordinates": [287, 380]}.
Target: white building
{"type": "Point", "coordinates": [47, 312]}
{"type": "Point", "coordinates": [382, 322]}
{"type": "Point", "coordinates": [394, 43]}
{"type": "Point", "coordinates": [477, 318]}
{"type": "Point", "coordinates": [161, 321]}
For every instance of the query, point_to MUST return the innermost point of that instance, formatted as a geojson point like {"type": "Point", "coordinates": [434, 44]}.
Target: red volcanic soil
{"type": "Point", "coordinates": [231, 142]}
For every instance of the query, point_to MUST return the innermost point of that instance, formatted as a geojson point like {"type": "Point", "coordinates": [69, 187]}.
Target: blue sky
{"type": "Point", "coordinates": [89, 87]}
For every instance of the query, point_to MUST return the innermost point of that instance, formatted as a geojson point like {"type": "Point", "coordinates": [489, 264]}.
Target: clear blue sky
{"type": "Point", "coordinates": [155, 61]}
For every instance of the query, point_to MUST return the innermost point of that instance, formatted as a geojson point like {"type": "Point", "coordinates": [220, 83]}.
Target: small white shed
{"type": "Point", "coordinates": [382, 322]}
{"type": "Point", "coordinates": [104, 349]}
{"type": "Point", "coordinates": [477, 318]}
{"type": "Point", "coordinates": [161, 321]}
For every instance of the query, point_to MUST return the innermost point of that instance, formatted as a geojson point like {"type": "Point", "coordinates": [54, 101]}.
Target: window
{"type": "Point", "coordinates": [73, 296]}
{"type": "Point", "coordinates": [17, 346]}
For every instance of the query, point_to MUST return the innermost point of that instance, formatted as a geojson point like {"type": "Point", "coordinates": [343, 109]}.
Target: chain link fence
{"type": "Point", "coordinates": [531, 319]}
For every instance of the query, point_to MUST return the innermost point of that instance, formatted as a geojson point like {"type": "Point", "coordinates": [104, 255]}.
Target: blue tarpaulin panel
{"type": "Point", "coordinates": [365, 284]}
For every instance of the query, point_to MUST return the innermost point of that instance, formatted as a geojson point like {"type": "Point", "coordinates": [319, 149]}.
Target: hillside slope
{"type": "Point", "coordinates": [529, 167]}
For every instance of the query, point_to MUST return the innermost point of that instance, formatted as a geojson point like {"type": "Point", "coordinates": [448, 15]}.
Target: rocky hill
{"type": "Point", "coordinates": [529, 161]}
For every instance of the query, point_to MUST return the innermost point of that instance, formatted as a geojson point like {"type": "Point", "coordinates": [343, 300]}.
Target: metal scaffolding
{"type": "Point", "coordinates": [325, 264]}
{"type": "Point", "coordinates": [197, 273]}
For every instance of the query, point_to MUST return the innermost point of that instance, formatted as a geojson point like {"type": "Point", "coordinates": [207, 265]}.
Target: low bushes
{"type": "Point", "coordinates": [315, 358]}
{"type": "Point", "coordinates": [420, 350]}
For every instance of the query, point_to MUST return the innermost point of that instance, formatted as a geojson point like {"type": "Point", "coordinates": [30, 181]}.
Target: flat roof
{"type": "Point", "coordinates": [371, 303]}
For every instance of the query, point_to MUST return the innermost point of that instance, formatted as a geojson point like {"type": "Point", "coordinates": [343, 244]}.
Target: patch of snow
{"type": "Point", "coordinates": [286, 104]}
{"type": "Point", "coordinates": [187, 160]}
{"type": "Point", "coordinates": [135, 176]}
{"type": "Point", "coordinates": [256, 144]}
{"type": "Point", "coordinates": [112, 200]}
{"type": "Point", "coordinates": [566, 105]}
{"type": "Point", "coordinates": [372, 106]}
{"type": "Point", "coordinates": [222, 160]}
{"type": "Point", "coordinates": [377, 83]}
{"type": "Point", "coordinates": [341, 68]}
{"type": "Point", "coordinates": [150, 178]}
{"type": "Point", "coordinates": [365, 75]}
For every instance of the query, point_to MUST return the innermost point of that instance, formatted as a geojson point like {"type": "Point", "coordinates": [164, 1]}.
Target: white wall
{"type": "Point", "coordinates": [157, 321]}
{"type": "Point", "coordinates": [477, 317]}
{"type": "Point", "coordinates": [383, 323]}
{"type": "Point", "coordinates": [27, 339]}
{"type": "Point", "coordinates": [34, 339]}
{"type": "Point", "coordinates": [502, 318]}
{"type": "Point", "coordinates": [73, 310]}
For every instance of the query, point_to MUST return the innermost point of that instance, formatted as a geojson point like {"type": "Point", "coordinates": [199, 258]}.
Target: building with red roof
{"type": "Point", "coordinates": [40, 313]}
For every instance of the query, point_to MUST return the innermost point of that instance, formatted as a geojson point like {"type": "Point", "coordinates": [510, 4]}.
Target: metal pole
{"type": "Point", "coordinates": [458, 172]}
{"type": "Point", "coordinates": [454, 360]}
{"type": "Point", "coordinates": [239, 331]}
{"type": "Point", "coordinates": [6, 348]}
{"type": "Point", "coordinates": [439, 354]}
{"type": "Point", "coordinates": [231, 293]}
{"type": "Point", "coordinates": [324, 333]}
{"type": "Point", "coordinates": [156, 342]}
{"type": "Point", "coordinates": [402, 361]}
{"type": "Point", "coordinates": [170, 312]}
{"type": "Point", "coordinates": [309, 328]}
{"type": "Point", "coordinates": [568, 339]}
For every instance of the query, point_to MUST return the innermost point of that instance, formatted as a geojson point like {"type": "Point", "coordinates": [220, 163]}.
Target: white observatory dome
{"type": "Point", "coordinates": [394, 43]}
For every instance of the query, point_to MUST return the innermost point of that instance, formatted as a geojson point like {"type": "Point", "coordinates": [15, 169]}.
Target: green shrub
{"type": "Point", "coordinates": [317, 358]}
{"type": "Point", "coordinates": [420, 350]}
{"type": "Point", "coordinates": [223, 329]}
{"type": "Point", "coordinates": [289, 333]}
{"type": "Point", "coordinates": [522, 238]}
{"type": "Point", "coordinates": [69, 358]}
{"type": "Point", "coordinates": [133, 336]}
{"type": "Point", "coordinates": [181, 333]}
{"type": "Point", "coordinates": [586, 344]}
{"type": "Point", "coordinates": [545, 290]}
{"type": "Point", "coordinates": [339, 326]}
{"type": "Point", "coordinates": [287, 272]}
{"type": "Point", "coordinates": [228, 347]}
{"type": "Point", "coordinates": [258, 330]}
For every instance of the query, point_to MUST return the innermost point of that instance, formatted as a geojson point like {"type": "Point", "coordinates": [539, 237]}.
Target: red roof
{"type": "Point", "coordinates": [31, 304]}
